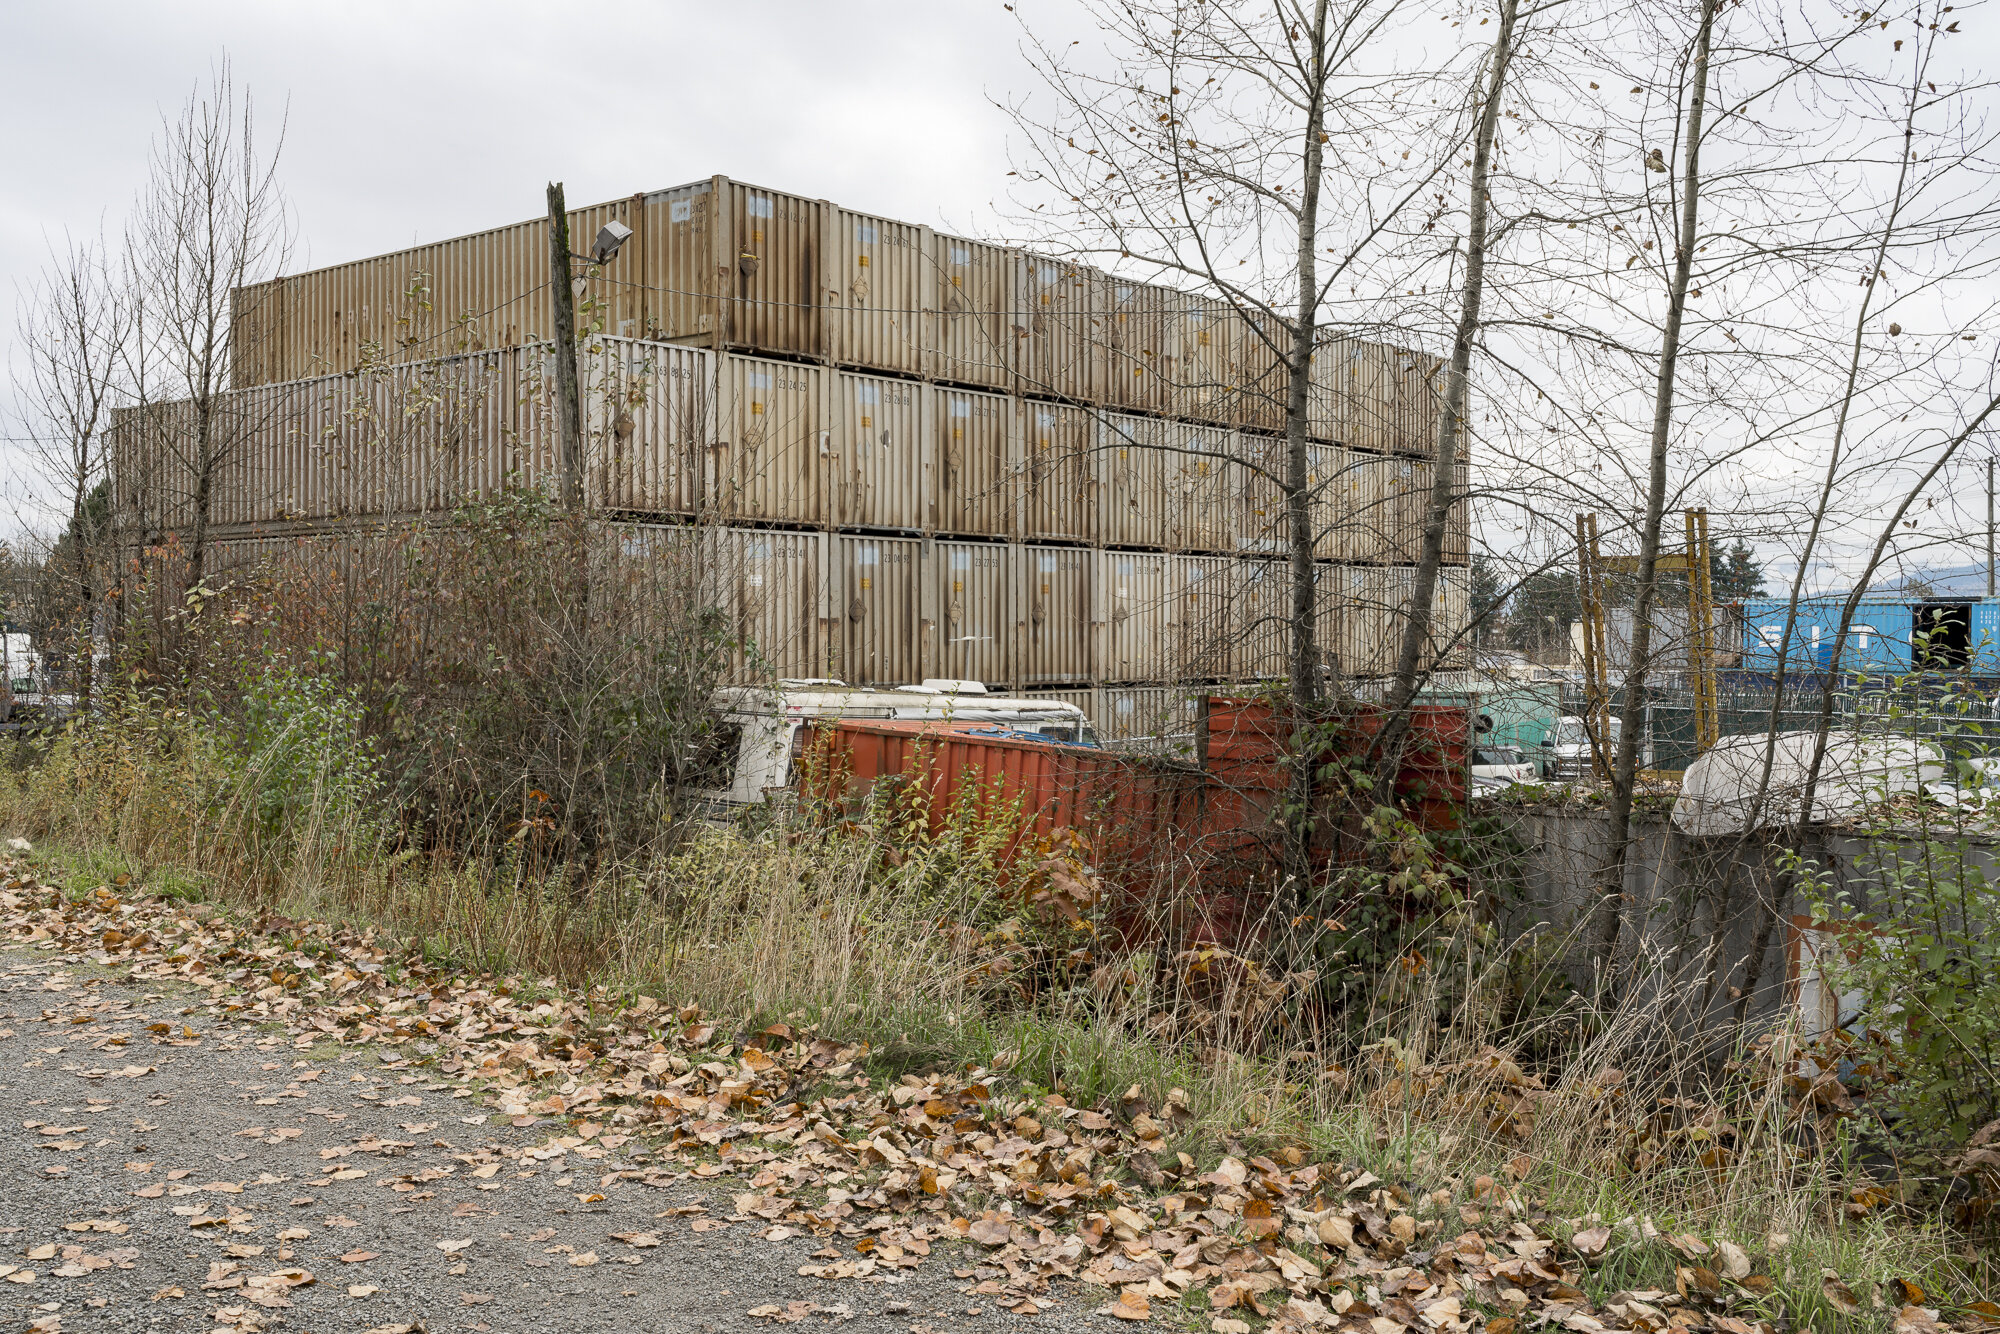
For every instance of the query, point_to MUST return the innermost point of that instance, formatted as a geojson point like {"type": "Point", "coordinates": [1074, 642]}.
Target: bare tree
{"type": "Point", "coordinates": [1207, 152]}
{"type": "Point", "coordinates": [211, 221]}
{"type": "Point", "coordinates": [71, 340]}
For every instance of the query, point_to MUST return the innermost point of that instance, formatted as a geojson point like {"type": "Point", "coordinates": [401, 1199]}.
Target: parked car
{"type": "Point", "coordinates": [1565, 749]}
{"type": "Point", "coordinates": [762, 731]}
{"type": "Point", "coordinates": [1495, 768]}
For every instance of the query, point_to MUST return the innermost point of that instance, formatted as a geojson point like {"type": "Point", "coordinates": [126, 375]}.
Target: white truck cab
{"type": "Point", "coordinates": [762, 728]}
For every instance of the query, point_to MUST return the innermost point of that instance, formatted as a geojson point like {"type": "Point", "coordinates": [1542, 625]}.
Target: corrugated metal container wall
{"type": "Point", "coordinates": [1417, 390]}
{"type": "Point", "coordinates": [1458, 522]}
{"type": "Point", "coordinates": [487, 290]}
{"type": "Point", "coordinates": [1133, 607]}
{"type": "Point", "coordinates": [1263, 609]}
{"type": "Point", "coordinates": [969, 338]}
{"type": "Point", "coordinates": [1365, 627]}
{"type": "Point", "coordinates": [1199, 374]}
{"type": "Point", "coordinates": [777, 270]}
{"type": "Point", "coordinates": [1085, 699]}
{"type": "Point", "coordinates": [881, 633]}
{"type": "Point", "coordinates": [1057, 338]}
{"type": "Point", "coordinates": [771, 586]}
{"type": "Point", "coordinates": [1369, 507]}
{"type": "Point", "coordinates": [1205, 619]}
{"type": "Point", "coordinates": [1262, 521]}
{"type": "Point", "coordinates": [1410, 498]}
{"type": "Point", "coordinates": [772, 449]}
{"type": "Point", "coordinates": [426, 437]}
{"type": "Point", "coordinates": [875, 292]}
{"type": "Point", "coordinates": [1058, 471]}
{"type": "Point", "coordinates": [881, 466]}
{"type": "Point", "coordinates": [1132, 360]}
{"type": "Point", "coordinates": [973, 462]}
{"type": "Point", "coordinates": [1132, 502]}
{"type": "Point", "coordinates": [683, 264]}
{"type": "Point", "coordinates": [1256, 374]}
{"type": "Point", "coordinates": [1201, 482]}
{"type": "Point", "coordinates": [1052, 630]}
{"type": "Point", "coordinates": [1124, 713]}
{"type": "Point", "coordinates": [650, 422]}
{"type": "Point", "coordinates": [973, 611]}
{"type": "Point", "coordinates": [1451, 619]}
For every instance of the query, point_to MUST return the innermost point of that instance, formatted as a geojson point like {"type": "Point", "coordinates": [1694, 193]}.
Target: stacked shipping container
{"type": "Point", "coordinates": [913, 454]}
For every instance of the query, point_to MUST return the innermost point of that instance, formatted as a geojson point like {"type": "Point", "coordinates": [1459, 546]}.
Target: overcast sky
{"type": "Point", "coordinates": [415, 121]}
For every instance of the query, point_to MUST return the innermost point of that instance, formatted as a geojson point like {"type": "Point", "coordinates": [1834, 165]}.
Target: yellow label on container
{"type": "Point", "coordinates": [864, 261]}
{"type": "Point", "coordinates": [757, 234]}
{"type": "Point", "coordinates": [756, 409]}
{"type": "Point", "coordinates": [867, 421]}
{"type": "Point", "coordinates": [957, 281]}
{"type": "Point", "coordinates": [864, 583]}
{"type": "Point", "coordinates": [958, 433]}
{"type": "Point", "coordinates": [958, 585]}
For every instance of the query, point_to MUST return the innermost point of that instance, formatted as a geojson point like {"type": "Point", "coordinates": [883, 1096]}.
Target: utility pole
{"type": "Point", "coordinates": [569, 402]}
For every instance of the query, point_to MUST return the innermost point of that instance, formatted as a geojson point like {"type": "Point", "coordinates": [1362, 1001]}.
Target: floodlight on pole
{"type": "Point", "coordinates": [610, 237]}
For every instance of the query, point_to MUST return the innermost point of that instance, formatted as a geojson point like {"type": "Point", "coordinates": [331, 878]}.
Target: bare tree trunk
{"type": "Point", "coordinates": [1611, 888]}
{"type": "Point", "coordinates": [1451, 413]}
{"type": "Point", "coordinates": [1304, 681]}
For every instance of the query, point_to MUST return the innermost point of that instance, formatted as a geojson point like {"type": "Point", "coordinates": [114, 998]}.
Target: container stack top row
{"type": "Point", "coordinates": [730, 266]}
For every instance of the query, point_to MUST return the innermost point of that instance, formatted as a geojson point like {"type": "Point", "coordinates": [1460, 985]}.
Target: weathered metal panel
{"type": "Point", "coordinates": [1263, 607]}
{"type": "Point", "coordinates": [1371, 509]}
{"type": "Point", "coordinates": [974, 465]}
{"type": "Point", "coordinates": [770, 586]}
{"type": "Point", "coordinates": [1198, 371]}
{"type": "Point", "coordinates": [882, 634]}
{"type": "Point", "coordinates": [649, 423]}
{"type": "Point", "coordinates": [1256, 372]}
{"type": "Point", "coordinates": [1084, 698]}
{"type": "Point", "coordinates": [882, 467]}
{"type": "Point", "coordinates": [970, 341]}
{"type": "Point", "coordinates": [1409, 483]}
{"type": "Point", "coordinates": [1377, 611]}
{"type": "Point", "coordinates": [1132, 352]}
{"type": "Point", "coordinates": [486, 290]}
{"type": "Point", "coordinates": [1451, 619]}
{"type": "Point", "coordinates": [1133, 508]}
{"type": "Point", "coordinates": [1052, 629]}
{"type": "Point", "coordinates": [1263, 520]}
{"type": "Point", "coordinates": [1126, 713]}
{"type": "Point", "coordinates": [683, 265]}
{"type": "Point", "coordinates": [1058, 471]}
{"type": "Point", "coordinates": [1204, 617]}
{"type": "Point", "coordinates": [875, 291]}
{"type": "Point", "coordinates": [1133, 607]}
{"type": "Point", "coordinates": [772, 450]}
{"type": "Point", "coordinates": [1199, 462]}
{"type": "Point", "coordinates": [973, 593]}
{"type": "Point", "coordinates": [777, 269]}
{"type": "Point", "coordinates": [1056, 329]}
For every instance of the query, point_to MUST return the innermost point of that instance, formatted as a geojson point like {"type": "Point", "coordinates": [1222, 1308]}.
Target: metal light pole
{"type": "Point", "coordinates": [1989, 528]}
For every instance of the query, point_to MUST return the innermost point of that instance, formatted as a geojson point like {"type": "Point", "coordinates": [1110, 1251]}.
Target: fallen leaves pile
{"type": "Point", "coordinates": [1040, 1190]}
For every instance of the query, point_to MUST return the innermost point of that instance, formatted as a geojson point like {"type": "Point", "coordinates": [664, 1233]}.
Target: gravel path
{"type": "Point", "coordinates": [165, 1168]}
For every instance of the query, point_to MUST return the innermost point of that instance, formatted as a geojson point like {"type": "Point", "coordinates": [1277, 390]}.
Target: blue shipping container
{"type": "Point", "coordinates": [1956, 635]}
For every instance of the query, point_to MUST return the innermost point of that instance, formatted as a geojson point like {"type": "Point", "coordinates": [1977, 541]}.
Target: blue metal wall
{"type": "Point", "coordinates": [1878, 640]}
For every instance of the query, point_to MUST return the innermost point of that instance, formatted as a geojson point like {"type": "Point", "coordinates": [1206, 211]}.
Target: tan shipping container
{"type": "Point", "coordinates": [1162, 714]}
{"type": "Point", "coordinates": [1377, 611]}
{"type": "Point", "coordinates": [1263, 519]}
{"type": "Point", "coordinates": [973, 593]}
{"type": "Point", "coordinates": [881, 460]}
{"type": "Point", "coordinates": [1256, 376]}
{"type": "Point", "coordinates": [1132, 360]}
{"type": "Point", "coordinates": [1084, 698]}
{"type": "Point", "coordinates": [882, 633]}
{"type": "Point", "coordinates": [1204, 617]}
{"type": "Point", "coordinates": [970, 339]}
{"type": "Point", "coordinates": [1451, 619]}
{"type": "Point", "coordinates": [470, 293]}
{"type": "Point", "coordinates": [1201, 476]}
{"type": "Point", "coordinates": [1263, 611]}
{"type": "Point", "coordinates": [1133, 505]}
{"type": "Point", "coordinates": [1199, 373]}
{"type": "Point", "coordinates": [1058, 471]}
{"type": "Point", "coordinates": [773, 452]}
{"type": "Point", "coordinates": [875, 292]}
{"type": "Point", "coordinates": [1372, 512]}
{"type": "Point", "coordinates": [649, 424]}
{"type": "Point", "coordinates": [1410, 485]}
{"type": "Point", "coordinates": [1052, 625]}
{"type": "Point", "coordinates": [1133, 604]}
{"type": "Point", "coordinates": [1058, 340]}
{"type": "Point", "coordinates": [974, 463]}
{"type": "Point", "coordinates": [775, 272]}
{"type": "Point", "coordinates": [771, 587]}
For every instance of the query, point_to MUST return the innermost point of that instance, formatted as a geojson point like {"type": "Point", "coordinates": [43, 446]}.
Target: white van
{"type": "Point", "coordinates": [762, 730]}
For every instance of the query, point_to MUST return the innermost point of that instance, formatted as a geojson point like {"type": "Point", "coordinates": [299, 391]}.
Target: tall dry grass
{"type": "Point", "coordinates": [1589, 1116]}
